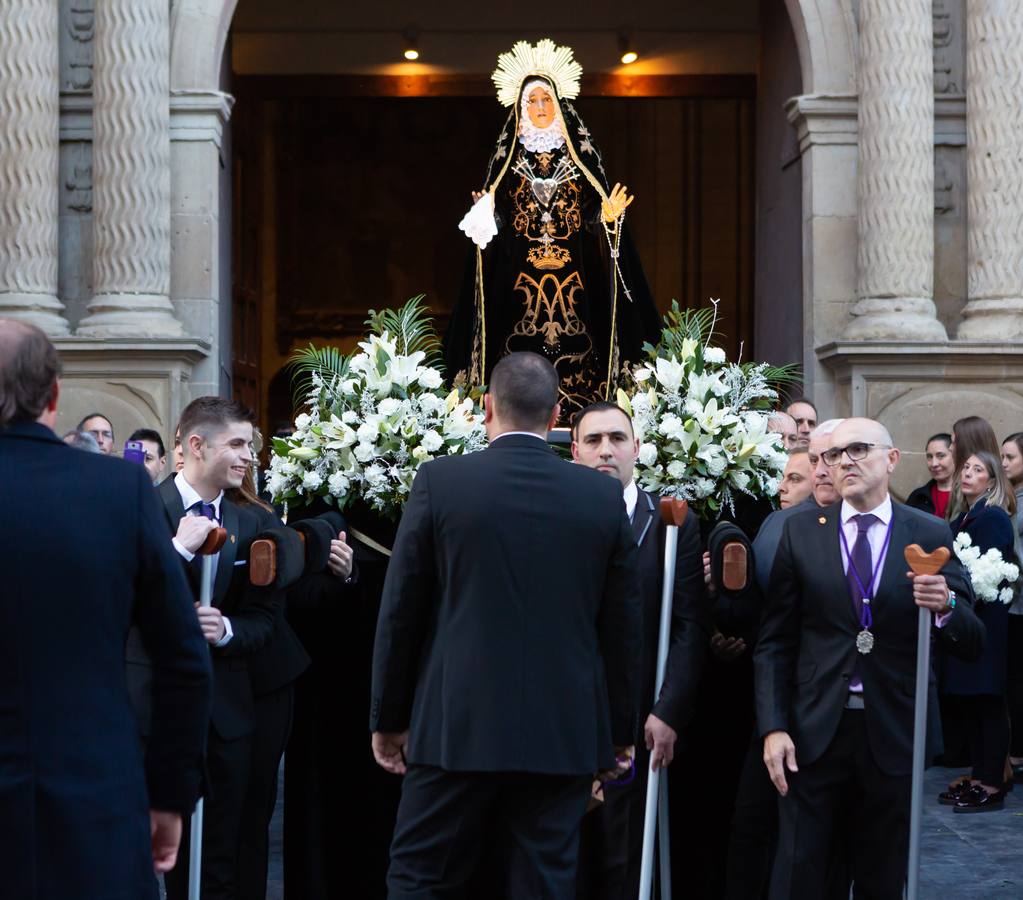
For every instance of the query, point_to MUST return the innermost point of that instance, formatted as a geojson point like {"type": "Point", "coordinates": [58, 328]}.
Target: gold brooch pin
{"type": "Point", "coordinates": [232, 536]}
{"type": "Point", "coordinates": [822, 520]}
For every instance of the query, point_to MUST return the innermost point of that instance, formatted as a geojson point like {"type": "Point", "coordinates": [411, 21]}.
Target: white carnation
{"type": "Point", "coordinates": [430, 379]}
{"type": "Point", "coordinates": [713, 355]}
{"type": "Point", "coordinates": [647, 454]}
{"type": "Point", "coordinates": [349, 417]}
{"type": "Point", "coordinates": [312, 480]}
{"type": "Point", "coordinates": [677, 469]}
{"type": "Point", "coordinates": [432, 441]}
{"type": "Point", "coordinates": [364, 452]}
{"type": "Point", "coordinates": [302, 422]}
{"type": "Point", "coordinates": [367, 433]}
{"type": "Point", "coordinates": [338, 484]}
{"type": "Point", "coordinates": [389, 406]}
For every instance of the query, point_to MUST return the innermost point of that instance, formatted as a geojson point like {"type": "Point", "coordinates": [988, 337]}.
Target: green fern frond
{"type": "Point", "coordinates": [412, 329]}
{"type": "Point", "coordinates": [327, 362]}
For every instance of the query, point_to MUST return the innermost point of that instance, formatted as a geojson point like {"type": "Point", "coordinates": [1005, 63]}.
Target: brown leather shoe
{"type": "Point", "coordinates": [979, 800]}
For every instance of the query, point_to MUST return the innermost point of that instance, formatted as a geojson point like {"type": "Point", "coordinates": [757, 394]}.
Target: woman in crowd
{"type": "Point", "coordinates": [989, 503]}
{"type": "Point", "coordinates": [969, 435]}
{"type": "Point", "coordinates": [933, 496]}
{"type": "Point", "coordinates": [1012, 463]}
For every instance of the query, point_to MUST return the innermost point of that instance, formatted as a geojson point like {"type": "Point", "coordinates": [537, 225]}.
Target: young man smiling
{"type": "Point", "coordinates": [216, 435]}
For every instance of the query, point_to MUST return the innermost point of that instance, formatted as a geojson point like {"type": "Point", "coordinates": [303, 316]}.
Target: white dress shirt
{"type": "Point", "coordinates": [190, 497]}
{"type": "Point", "coordinates": [631, 494]}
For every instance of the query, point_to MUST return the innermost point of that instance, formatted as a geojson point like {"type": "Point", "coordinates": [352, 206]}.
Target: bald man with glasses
{"type": "Point", "coordinates": [835, 669]}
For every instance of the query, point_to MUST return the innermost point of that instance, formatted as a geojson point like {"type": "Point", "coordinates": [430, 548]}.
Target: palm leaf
{"type": "Point", "coordinates": [412, 329]}
{"type": "Point", "coordinates": [327, 362]}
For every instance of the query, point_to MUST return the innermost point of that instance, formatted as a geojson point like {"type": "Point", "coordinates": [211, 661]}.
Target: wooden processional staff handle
{"type": "Point", "coordinates": [214, 541]}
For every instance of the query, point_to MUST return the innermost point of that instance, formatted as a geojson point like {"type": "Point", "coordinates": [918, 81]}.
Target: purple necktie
{"type": "Point", "coordinates": [862, 561]}
{"type": "Point", "coordinates": [206, 509]}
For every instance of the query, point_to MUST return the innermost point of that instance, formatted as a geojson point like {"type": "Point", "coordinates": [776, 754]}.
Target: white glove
{"type": "Point", "coordinates": [479, 222]}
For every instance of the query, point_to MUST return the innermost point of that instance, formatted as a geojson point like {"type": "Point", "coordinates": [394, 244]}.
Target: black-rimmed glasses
{"type": "Point", "coordinates": [855, 451]}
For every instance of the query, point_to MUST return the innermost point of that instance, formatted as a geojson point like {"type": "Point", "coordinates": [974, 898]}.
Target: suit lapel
{"type": "Point", "coordinates": [895, 565]}
{"type": "Point", "coordinates": [829, 525]}
{"type": "Point", "coordinates": [642, 516]}
{"type": "Point", "coordinates": [172, 504]}
{"type": "Point", "coordinates": [228, 553]}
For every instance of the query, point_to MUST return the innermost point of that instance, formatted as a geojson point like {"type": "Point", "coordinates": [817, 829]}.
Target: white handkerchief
{"type": "Point", "coordinates": [240, 562]}
{"type": "Point", "coordinates": [479, 223]}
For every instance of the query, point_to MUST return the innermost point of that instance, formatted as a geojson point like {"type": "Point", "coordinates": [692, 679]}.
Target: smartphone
{"type": "Point", "coordinates": [134, 452]}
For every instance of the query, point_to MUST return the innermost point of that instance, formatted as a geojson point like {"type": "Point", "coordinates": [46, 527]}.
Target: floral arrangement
{"type": "Point", "coordinates": [372, 418]}
{"type": "Point", "coordinates": [988, 571]}
{"type": "Point", "coordinates": [702, 421]}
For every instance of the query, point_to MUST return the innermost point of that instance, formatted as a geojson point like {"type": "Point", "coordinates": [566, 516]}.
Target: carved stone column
{"type": "Point", "coordinates": [895, 180]}
{"type": "Point", "coordinates": [29, 144]}
{"type": "Point", "coordinates": [994, 170]}
{"type": "Point", "coordinates": [131, 172]}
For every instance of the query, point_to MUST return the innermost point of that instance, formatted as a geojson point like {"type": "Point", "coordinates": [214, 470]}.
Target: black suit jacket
{"type": "Point", "coordinates": [691, 623]}
{"type": "Point", "coordinates": [807, 647]}
{"type": "Point", "coordinates": [253, 612]}
{"type": "Point", "coordinates": [509, 629]}
{"type": "Point", "coordinates": [85, 553]}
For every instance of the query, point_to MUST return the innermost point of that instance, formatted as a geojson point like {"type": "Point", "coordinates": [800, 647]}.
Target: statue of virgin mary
{"type": "Point", "coordinates": [554, 270]}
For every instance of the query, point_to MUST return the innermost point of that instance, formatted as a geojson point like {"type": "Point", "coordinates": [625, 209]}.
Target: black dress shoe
{"type": "Point", "coordinates": [979, 800]}
{"type": "Point", "coordinates": [955, 793]}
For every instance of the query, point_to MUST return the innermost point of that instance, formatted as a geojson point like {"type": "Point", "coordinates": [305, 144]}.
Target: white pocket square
{"type": "Point", "coordinates": [241, 562]}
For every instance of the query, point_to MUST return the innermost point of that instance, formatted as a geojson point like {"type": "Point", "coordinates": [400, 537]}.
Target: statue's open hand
{"type": "Point", "coordinates": [616, 203]}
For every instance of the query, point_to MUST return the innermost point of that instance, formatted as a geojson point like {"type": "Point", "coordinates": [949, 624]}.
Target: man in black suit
{"type": "Point", "coordinates": [603, 439]}
{"type": "Point", "coordinates": [835, 669]}
{"type": "Point", "coordinates": [85, 555]}
{"type": "Point", "coordinates": [506, 655]}
{"type": "Point", "coordinates": [216, 435]}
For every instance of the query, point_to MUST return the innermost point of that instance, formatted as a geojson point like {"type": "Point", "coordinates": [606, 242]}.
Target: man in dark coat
{"type": "Point", "coordinates": [835, 669]}
{"type": "Point", "coordinates": [84, 812]}
{"type": "Point", "coordinates": [603, 439]}
{"type": "Point", "coordinates": [506, 656]}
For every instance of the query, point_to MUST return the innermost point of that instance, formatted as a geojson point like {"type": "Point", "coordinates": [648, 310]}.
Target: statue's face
{"type": "Point", "coordinates": [540, 107]}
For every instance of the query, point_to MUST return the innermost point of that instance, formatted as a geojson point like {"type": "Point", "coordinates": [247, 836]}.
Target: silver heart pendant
{"type": "Point", "coordinates": [543, 189]}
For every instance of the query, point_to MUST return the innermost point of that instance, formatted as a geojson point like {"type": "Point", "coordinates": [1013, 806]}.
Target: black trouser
{"type": "Point", "coordinates": [273, 725]}
{"type": "Point", "coordinates": [754, 833]}
{"type": "Point", "coordinates": [988, 721]}
{"type": "Point", "coordinates": [845, 786]}
{"type": "Point", "coordinates": [444, 818]}
{"type": "Point", "coordinates": [1014, 687]}
{"type": "Point", "coordinates": [227, 764]}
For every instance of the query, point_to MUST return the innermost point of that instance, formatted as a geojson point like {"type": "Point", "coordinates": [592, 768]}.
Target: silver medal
{"type": "Point", "coordinates": [864, 642]}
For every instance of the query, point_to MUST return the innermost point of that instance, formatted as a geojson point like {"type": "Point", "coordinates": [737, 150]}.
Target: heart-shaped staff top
{"type": "Point", "coordinates": [673, 512]}
{"type": "Point", "coordinates": [926, 563]}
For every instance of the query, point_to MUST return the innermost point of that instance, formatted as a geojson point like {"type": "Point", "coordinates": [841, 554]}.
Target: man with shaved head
{"type": "Point", "coordinates": [835, 669]}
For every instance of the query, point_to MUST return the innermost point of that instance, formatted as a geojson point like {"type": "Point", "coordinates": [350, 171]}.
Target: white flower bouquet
{"type": "Point", "coordinates": [702, 421]}
{"type": "Point", "coordinates": [372, 418]}
{"type": "Point", "coordinates": [988, 571]}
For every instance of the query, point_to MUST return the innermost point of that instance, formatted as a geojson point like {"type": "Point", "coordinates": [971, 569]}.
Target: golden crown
{"type": "Point", "coordinates": [552, 62]}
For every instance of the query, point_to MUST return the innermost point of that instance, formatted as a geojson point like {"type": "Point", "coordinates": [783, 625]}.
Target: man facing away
{"type": "Point", "coordinates": [507, 648]}
{"type": "Point", "coordinates": [835, 669]}
{"type": "Point", "coordinates": [603, 439]}
{"type": "Point", "coordinates": [84, 812]}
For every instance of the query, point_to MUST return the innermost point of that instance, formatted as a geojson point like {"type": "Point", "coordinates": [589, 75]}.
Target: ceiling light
{"type": "Point", "coordinates": [411, 52]}
{"type": "Point", "coordinates": [626, 48]}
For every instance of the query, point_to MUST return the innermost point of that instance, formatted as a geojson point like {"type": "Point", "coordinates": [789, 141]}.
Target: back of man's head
{"type": "Point", "coordinates": [525, 388]}
{"type": "Point", "coordinates": [81, 440]}
{"type": "Point", "coordinates": [208, 416]}
{"type": "Point", "coordinates": [29, 368]}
